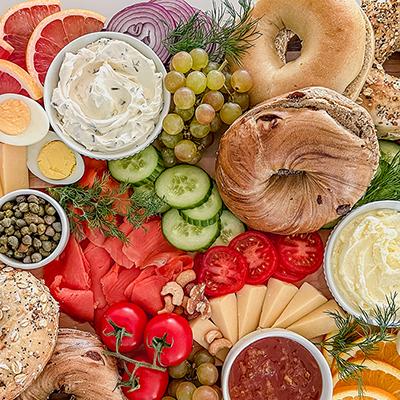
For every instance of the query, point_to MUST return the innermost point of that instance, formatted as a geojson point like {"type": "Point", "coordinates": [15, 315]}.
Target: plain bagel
{"type": "Point", "coordinates": [337, 51]}
{"type": "Point", "coordinates": [296, 162]}
{"type": "Point", "coordinates": [381, 93]}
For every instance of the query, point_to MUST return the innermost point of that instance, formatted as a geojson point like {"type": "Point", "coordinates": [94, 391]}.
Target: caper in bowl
{"type": "Point", "coordinates": [34, 229]}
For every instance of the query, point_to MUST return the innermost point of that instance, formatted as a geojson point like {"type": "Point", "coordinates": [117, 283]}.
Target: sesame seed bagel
{"type": "Point", "coordinates": [381, 93]}
{"type": "Point", "coordinates": [28, 330]}
{"type": "Point", "coordinates": [337, 47]}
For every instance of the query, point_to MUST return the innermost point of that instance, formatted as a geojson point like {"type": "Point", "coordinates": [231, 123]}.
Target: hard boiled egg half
{"type": "Point", "coordinates": [23, 121]}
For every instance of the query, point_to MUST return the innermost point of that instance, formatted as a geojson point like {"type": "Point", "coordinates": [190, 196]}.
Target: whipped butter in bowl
{"type": "Point", "coordinates": [105, 96]}
{"type": "Point", "coordinates": [362, 257]}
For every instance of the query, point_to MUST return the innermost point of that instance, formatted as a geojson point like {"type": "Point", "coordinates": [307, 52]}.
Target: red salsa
{"type": "Point", "coordinates": [275, 369]}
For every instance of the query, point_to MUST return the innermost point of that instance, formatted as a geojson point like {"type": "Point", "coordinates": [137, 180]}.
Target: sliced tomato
{"type": "Point", "coordinates": [286, 276]}
{"type": "Point", "coordinates": [300, 254]}
{"type": "Point", "coordinates": [223, 270]}
{"type": "Point", "coordinates": [260, 254]}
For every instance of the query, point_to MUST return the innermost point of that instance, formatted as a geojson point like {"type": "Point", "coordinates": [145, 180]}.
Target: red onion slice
{"type": "Point", "coordinates": [180, 10]}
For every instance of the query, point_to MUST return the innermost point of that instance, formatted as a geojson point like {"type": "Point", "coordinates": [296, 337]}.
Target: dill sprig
{"type": "Point", "coordinates": [356, 333]}
{"type": "Point", "coordinates": [225, 31]}
{"type": "Point", "coordinates": [386, 183]}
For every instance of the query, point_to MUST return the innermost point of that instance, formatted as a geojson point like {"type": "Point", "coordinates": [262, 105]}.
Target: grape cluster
{"type": "Point", "coordinates": [195, 379]}
{"type": "Point", "coordinates": [207, 98]}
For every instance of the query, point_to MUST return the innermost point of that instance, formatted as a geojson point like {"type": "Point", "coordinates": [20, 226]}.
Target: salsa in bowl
{"type": "Point", "coordinates": [276, 364]}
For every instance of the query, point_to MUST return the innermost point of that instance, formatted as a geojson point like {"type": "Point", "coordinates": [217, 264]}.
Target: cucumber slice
{"type": "Point", "coordinates": [148, 190]}
{"type": "Point", "coordinates": [186, 236]}
{"type": "Point", "coordinates": [142, 168]}
{"type": "Point", "coordinates": [230, 228]}
{"type": "Point", "coordinates": [184, 186]}
{"type": "Point", "coordinates": [388, 150]}
{"type": "Point", "coordinates": [206, 214]}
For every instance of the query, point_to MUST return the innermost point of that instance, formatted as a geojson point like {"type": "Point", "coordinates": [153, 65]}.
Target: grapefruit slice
{"type": "Point", "coordinates": [5, 50]}
{"type": "Point", "coordinates": [18, 23]}
{"type": "Point", "coordinates": [14, 79]}
{"type": "Point", "coordinates": [54, 33]}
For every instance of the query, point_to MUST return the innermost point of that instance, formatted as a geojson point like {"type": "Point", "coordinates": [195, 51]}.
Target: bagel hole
{"type": "Point", "coordinates": [288, 41]}
{"type": "Point", "coordinates": [391, 65]}
{"type": "Point", "coordinates": [61, 396]}
{"type": "Point", "coordinates": [294, 48]}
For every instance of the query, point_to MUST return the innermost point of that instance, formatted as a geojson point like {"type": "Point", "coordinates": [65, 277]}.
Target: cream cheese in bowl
{"type": "Point", "coordinates": [109, 95]}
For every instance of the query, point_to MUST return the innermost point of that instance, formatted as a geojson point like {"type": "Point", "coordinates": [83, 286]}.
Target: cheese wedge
{"type": "Point", "coordinates": [13, 170]}
{"type": "Point", "coordinates": [317, 323]}
{"type": "Point", "coordinates": [250, 302]}
{"type": "Point", "coordinates": [277, 298]}
{"type": "Point", "coordinates": [224, 314]}
{"type": "Point", "coordinates": [307, 299]}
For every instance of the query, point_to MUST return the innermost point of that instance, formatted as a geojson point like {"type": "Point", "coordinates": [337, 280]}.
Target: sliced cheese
{"type": "Point", "coordinates": [224, 313]}
{"type": "Point", "coordinates": [317, 323]}
{"type": "Point", "coordinates": [307, 299]}
{"type": "Point", "coordinates": [13, 170]}
{"type": "Point", "coordinates": [250, 302]}
{"type": "Point", "coordinates": [277, 298]}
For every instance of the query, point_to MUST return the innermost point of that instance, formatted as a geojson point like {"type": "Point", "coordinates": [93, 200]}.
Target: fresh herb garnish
{"type": "Point", "coordinates": [357, 334]}
{"type": "Point", "coordinates": [94, 206]}
{"type": "Point", "coordinates": [386, 183]}
{"type": "Point", "coordinates": [227, 31]}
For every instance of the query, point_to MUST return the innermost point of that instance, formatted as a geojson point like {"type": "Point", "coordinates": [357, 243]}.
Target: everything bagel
{"type": "Point", "coordinates": [337, 53]}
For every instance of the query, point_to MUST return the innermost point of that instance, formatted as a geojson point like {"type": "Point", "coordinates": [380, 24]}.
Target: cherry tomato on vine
{"type": "Point", "coordinates": [122, 327]}
{"type": "Point", "coordinates": [169, 339]}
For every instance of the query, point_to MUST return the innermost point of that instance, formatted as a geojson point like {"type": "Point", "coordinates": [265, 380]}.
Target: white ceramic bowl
{"type": "Point", "coordinates": [64, 233]}
{"type": "Point", "coordinates": [51, 83]}
{"type": "Point", "coordinates": [339, 297]}
{"type": "Point", "coordinates": [327, 383]}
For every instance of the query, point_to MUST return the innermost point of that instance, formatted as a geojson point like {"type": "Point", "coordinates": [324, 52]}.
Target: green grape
{"type": "Point", "coordinates": [207, 374]}
{"type": "Point", "coordinates": [215, 99]}
{"type": "Point", "coordinates": [196, 81]}
{"type": "Point", "coordinates": [216, 124]}
{"type": "Point", "coordinates": [227, 88]}
{"type": "Point", "coordinates": [170, 141]}
{"type": "Point", "coordinates": [182, 62]}
{"type": "Point", "coordinates": [174, 80]}
{"type": "Point", "coordinates": [243, 99]}
{"type": "Point", "coordinates": [196, 159]}
{"type": "Point", "coordinates": [186, 115]}
{"type": "Point", "coordinates": [185, 391]}
{"type": "Point", "coordinates": [230, 112]}
{"type": "Point", "coordinates": [168, 156]}
{"type": "Point", "coordinates": [173, 386]}
{"type": "Point", "coordinates": [241, 81]}
{"type": "Point", "coordinates": [205, 142]}
{"type": "Point", "coordinates": [199, 130]}
{"type": "Point", "coordinates": [205, 393]}
{"type": "Point", "coordinates": [179, 371]}
{"type": "Point", "coordinates": [200, 59]}
{"type": "Point", "coordinates": [219, 391]}
{"type": "Point", "coordinates": [203, 356]}
{"type": "Point", "coordinates": [173, 124]}
{"type": "Point", "coordinates": [215, 80]}
{"type": "Point", "coordinates": [185, 151]}
{"type": "Point", "coordinates": [184, 98]}
{"type": "Point", "coordinates": [212, 66]}
{"type": "Point", "coordinates": [205, 114]}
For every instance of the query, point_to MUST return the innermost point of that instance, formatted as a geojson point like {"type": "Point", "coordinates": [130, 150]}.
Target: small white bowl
{"type": "Point", "coordinates": [330, 246]}
{"type": "Point", "coordinates": [38, 127]}
{"type": "Point", "coordinates": [51, 83]}
{"type": "Point", "coordinates": [64, 233]}
{"type": "Point", "coordinates": [327, 383]}
{"type": "Point", "coordinates": [33, 154]}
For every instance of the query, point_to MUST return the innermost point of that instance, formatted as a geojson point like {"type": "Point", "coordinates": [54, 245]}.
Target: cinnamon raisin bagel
{"type": "Point", "coordinates": [381, 93]}
{"type": "Point", "coordinates": [337, 51]}
{"type": "Point", "coordinates": [298, 161]}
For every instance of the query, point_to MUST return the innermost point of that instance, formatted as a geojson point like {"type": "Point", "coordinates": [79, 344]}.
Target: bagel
{"type": "Point", "coordinates": [28, 330]}
{"type": "Point", "coordinates": [337, 51]}
{"type": "Point", "coordinates": [381, 93]}
{"type": "Point", "coordinates": [297, 162]}
{"type": "Point", "coordinates": [78, 368]}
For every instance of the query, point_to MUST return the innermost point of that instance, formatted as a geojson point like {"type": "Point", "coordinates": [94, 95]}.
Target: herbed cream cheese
{"type": "Point", "coordinates": [109, 96]}
{"type": "Point", "coordinates": [366, 259]}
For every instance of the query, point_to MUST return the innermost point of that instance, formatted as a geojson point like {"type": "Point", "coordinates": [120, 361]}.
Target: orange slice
{"type": "Point", "coordinates": [5, 50]}
{"type": "Point", "coordinates": [14, 79]}
{"type": "Point", "coordinates": [369, 393]}
{"type": "Point", "coordinates": [54, 33]}
{"type": "Point", "coordinates": [18, 23]}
